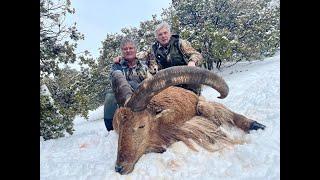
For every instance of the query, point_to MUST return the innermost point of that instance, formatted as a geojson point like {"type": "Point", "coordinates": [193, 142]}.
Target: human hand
{"type": "Point", "coordinates": [191, 63]}
{"type": "Point", "coordinates": [116, 60]}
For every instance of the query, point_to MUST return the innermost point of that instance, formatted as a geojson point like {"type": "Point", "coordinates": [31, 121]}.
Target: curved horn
{"type": "Point", "coordinates": [121, 88]}
{"type": "Point", "coordinates": [174, 76]}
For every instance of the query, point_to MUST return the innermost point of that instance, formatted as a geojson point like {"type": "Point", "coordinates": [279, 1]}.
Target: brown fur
{"type": "Point", "coordinates": [219, 114]}
{"type": "Point", "coordinates": [171, 116]}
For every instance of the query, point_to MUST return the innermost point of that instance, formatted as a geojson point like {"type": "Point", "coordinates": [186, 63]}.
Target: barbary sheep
{"type": "Point", "coordinates": [158, 114]}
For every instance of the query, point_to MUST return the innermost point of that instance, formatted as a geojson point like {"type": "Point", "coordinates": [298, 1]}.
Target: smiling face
{"type": "Point", "coordinates": [129, 51]}
{"type": "Point", "coordinates": [133, 138]}
{"type": "Point", "coordinates": [163, 36]}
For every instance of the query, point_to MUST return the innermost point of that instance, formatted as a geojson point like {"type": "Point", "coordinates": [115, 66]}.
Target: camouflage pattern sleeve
{"type": "Point", "coordinates": [190, 52]}
{"type": "Point", "coordinates": [142, 70]}
{"type": "Point", "coordinates": [142, 55]}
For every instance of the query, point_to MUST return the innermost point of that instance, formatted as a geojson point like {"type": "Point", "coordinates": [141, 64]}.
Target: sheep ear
{"type": "Point", "coordinates": [164, 113]}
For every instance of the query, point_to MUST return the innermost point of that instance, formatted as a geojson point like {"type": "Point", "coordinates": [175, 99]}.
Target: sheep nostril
{"type": "Point", "coordinates": [118, 168]}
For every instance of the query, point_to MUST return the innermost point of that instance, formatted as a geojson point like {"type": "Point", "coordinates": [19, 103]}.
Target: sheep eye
{"type": "Point", "coordinates": [158, 111]}
{"type": "Point", "coordinates": [141, 126]}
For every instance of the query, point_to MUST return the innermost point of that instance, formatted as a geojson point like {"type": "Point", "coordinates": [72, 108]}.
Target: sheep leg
{"type": "Point", "coordinates": [246, 124]}
{"type": "Point", "coordinates": [219, 115]}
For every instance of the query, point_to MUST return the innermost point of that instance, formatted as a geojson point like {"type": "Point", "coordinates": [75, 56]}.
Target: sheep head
{"type": "Point", "coordinates": [133, 137]}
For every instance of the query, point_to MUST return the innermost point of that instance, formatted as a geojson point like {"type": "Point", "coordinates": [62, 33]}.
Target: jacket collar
{"type": "Point", "coordinates": [124, 63]}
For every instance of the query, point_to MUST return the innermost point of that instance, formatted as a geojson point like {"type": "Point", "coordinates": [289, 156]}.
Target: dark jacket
{"type": "Point", "coordinates": [178, 52]}
{"type": "Point", "coordinates": [171, 55]}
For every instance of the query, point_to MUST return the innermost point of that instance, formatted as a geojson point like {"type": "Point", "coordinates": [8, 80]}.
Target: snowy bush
{"type": "Point", "coordinates": [65, 89]}
{"type": "Point", "coordinates": [52, 123]}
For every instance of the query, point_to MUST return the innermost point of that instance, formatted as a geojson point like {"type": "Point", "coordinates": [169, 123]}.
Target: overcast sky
{"type": "Point", "coordinates": [96, 18]}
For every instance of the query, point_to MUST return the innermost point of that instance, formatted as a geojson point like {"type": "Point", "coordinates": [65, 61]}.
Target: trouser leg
{"type": "Point", "coordinates": [110, 106]}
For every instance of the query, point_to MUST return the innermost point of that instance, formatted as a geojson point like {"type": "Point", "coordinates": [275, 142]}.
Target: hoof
{"type": "Point", "coordinates": [255, 126]}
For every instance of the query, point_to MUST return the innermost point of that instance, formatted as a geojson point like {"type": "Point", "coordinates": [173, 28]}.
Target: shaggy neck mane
{"type": "Point", "coordinates": [200, 130]}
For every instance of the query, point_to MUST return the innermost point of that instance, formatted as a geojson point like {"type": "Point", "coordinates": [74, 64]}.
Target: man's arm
{"type": "Point", "coordinates": [114, 67]}
{"type": "Point", "coordinates": [193, 55]}
{"type": "Point", "coordinates": [142, 55]}
{"type": "Point", "coordinates": [116, 60]}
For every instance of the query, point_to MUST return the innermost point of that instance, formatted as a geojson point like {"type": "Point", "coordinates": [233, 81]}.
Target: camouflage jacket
{"type": "Point", "coordinates": [134, 75]}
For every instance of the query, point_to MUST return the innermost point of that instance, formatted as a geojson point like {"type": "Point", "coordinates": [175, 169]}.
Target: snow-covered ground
{"type": "Point", "coordinates": [90, 153]}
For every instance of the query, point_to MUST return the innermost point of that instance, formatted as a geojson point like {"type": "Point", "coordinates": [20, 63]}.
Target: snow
{"type": "Point", "coordinates": [44, 90]}
{"type": "Point", "coordinates": [90, 153]}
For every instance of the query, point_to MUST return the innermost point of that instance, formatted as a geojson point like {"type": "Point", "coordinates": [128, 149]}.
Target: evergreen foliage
{"type": "Point", "coordinates": [67, 92]}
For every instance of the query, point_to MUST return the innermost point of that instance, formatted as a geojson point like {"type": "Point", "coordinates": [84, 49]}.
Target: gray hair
{"type": "Point", "coordinates": [161, 26]}
{"type": "Point", "coordinates": [128, 40]}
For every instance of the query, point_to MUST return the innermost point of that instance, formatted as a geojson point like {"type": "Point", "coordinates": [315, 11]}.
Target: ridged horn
{"type": "Point", "coordinates": [121, 88]}
{"type": "Point", "coordinates": [174, 76]}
